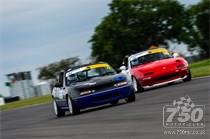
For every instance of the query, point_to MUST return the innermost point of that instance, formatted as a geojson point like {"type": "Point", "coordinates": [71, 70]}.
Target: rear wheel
{"type": "Point", "coordinates": [136, 86]}
{"type": "Point", "coordinates": [57, 110]}
{"type": "Point", "coordinates": [189, 77]}
{"type": "Point", "coordinates": [72, 109]}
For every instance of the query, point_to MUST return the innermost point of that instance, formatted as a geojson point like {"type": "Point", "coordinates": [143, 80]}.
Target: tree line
{"type": "Point", "coordinates": [134, 25]}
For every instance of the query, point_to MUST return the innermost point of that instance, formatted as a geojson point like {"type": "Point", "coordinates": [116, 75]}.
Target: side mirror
{"type": "Point", "coordinates": [175, 55]}
{"type": "Point", "coordinates": [118, 70]}
{"type": "Point", "coordinates": [58, 85]}
{"type": "Point", "coordinates": [123, 68]}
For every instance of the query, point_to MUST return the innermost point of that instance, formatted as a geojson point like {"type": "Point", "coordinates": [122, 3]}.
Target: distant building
{"type": "Point", "coordinates": [21, 85]}
{"type": "Point", "coordinates": [42, 88]}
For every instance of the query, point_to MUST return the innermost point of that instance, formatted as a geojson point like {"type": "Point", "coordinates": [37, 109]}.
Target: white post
{"type": "Point", "coordinates": [2, 101]}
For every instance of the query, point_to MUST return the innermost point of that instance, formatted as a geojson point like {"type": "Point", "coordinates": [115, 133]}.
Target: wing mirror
{"type": "Point", "coordinates": [175, 55]}
{"type": "Point", "coordinates": [123, 68]}
{"type": "Point", "coordinates": [58, 85]}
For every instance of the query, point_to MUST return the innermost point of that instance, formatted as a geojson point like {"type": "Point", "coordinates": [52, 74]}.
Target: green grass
{"type": "Point", "coordinates": [26, 102]}
{"type": "Point", "coordinates": [201, 68]}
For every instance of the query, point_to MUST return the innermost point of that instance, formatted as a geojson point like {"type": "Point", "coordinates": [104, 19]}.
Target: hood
{"type": "Point", "coordinates": [159, 66]}
{"type": "Point", "coordinates": [98, 83]}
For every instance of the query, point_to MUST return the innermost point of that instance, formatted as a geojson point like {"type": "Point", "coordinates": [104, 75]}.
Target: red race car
{"type": "Point", "coordinates": [155, 67]}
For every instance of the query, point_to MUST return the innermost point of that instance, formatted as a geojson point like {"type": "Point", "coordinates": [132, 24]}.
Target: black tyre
{"type": "Point", "coordinates": [115, 102]}
{"type": "Point", "coordinates": [136, 86]}
{"type": "Point", "coordinates": [131, 98]}
{"type": "Point", "coordinates": [58, 112]}
{"type": "Point", "coordinates": [73, 110]}
{"type": "Point", "coordinates": [189, 77]}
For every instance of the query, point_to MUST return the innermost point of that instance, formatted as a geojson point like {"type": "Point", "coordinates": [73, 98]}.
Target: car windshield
{"type": "Point", "coordinates": [148, 58]}
{"type": "Point", "coordinates": [87, 74]}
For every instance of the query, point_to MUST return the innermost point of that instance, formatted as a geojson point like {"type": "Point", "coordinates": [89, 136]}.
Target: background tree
{"type": "Point", "coordinates": [134, 25]}
{"type": "Point", "coordinates": [50, 71]}
{"type": "Point", "coordinates": [199, 31]}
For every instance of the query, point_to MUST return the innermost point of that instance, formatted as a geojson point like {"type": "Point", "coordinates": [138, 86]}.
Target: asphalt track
{"type": "Point", "coordinates": [139, 120]}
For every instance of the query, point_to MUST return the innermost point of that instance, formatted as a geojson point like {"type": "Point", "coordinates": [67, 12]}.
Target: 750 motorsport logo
{"type": "Point", "coordinates": [183, 114]}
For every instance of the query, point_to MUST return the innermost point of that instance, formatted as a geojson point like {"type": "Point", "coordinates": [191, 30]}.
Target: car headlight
{"type": "Point", "coordinates": [86, 92]}
{"type": "Point", "coordinates": [180, 66]}
{"type": "Point", "coordinates": [121, 84]}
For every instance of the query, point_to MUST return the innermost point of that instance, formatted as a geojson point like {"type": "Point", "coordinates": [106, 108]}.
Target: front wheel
{"type": "Point", "coordinates": [72, 109]}
{"type": "Point", "coordinates": [57, 110]}
{"type": "Point", "coordinates": [136, 86]}
{"type": "Point", "coordinates": [115, 102]}
{"type": "Point", "coordinates": [131, 98]}
{"type": "Point", "coordinates": [189, 77]}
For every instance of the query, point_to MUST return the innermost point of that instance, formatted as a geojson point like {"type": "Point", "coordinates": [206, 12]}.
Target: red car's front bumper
{"type": "Point", "coordinates": [164, 77]}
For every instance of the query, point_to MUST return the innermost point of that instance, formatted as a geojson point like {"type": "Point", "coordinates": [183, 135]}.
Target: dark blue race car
{"type": "Point", "coordinates": [88, 86]}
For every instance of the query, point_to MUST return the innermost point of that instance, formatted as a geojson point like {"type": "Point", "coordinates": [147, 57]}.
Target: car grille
{"type": "Point", "coordinates": [166, 77]}
{"type": "Point", "coordinates": [104, 87]}
{"type": "Point", "coordinates": [99, 87]}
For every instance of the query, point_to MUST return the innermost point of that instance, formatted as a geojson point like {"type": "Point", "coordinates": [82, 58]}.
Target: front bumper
{"type": "Point", "coordinates": [98, 98]}
{"type": "Point", "coordinates": [165, 78]}
{"type": "Point", "coordinates": [103, 97]}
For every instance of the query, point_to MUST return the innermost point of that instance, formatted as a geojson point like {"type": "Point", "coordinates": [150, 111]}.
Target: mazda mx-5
{"type": "Point", "coordinates": [90, 85]}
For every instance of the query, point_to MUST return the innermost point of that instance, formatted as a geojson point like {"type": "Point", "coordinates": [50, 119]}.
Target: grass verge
{"type": "Point", "coordinates": [201, 68]}
{"type": "Point", "coordinates": [26, 102]}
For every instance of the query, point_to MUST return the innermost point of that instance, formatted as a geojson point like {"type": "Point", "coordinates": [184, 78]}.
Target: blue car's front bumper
{"type": "Point", "coordinates": [103, 97]}
{"type": "Point", "coordinates": [99, 98]}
